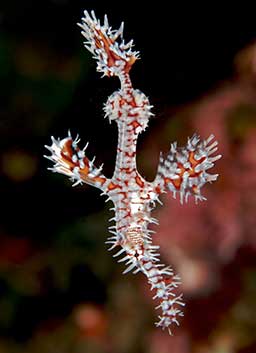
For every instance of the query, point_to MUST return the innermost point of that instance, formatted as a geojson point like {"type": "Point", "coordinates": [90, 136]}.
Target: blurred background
{"type": "Point", "coordinates": [60, 290]}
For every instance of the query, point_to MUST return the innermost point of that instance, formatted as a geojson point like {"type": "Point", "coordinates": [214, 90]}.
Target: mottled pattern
{"type": "Point", "coordinates": [183, 171]}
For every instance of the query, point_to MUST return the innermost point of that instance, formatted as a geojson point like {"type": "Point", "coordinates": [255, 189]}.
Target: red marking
{"type": "Point", "coordinates": [130, 154]}
{"type": "Point", "coordinates": [192, 173]}
{"type": "Point", "coordinates": [67, 152]}
{"type": "Point", "coordinates": [101, 180]}
{"type": "Point", "coordinates": [194, 162]}
{"type": "Point", "coordinates": [130, 63]}
{"type": "Point", "coordinates": [85, 170]}
{"type": "Point", "coordinates": [67, 147]}
{"type": "Point", "coordinates": [182, 169]}
{"type": "Point", "coordinates": [128, 214]}
{"type": "Point", "coordinates": [122, 102]}
{"type": "Point", "coordinates": [112, 56]}
{"type": "Point", "coordinates": [127, 170]}
{"type": "Point", "coordinates": [167, 180]}
{"type": "Point", "coordinates": [133, 115]}
{"type": "Point", "coordinates": [124, 195]}
{"type": "Point", "coordinates": [107, 42]}
{"type": "Point", "coordinates": [132, 102]}
{"type": "Point", "coordinates": [195, 189]}
{"type": "Point", "coordinates": [121, 227]}
{"type": "Point", "coordinates": [112, 186]}
{"type": "Point", "coordinates": [135, 124]}
{"type": "Point", "coordinates": [139, 181]}
{"type": "Point", "coordinates": [177, 182]}
{"type": "Point", "coordinates": [158, 190]}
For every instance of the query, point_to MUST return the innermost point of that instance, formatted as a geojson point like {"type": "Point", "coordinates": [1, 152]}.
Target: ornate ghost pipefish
{"type": "Point", "coordinates": [183, 171]}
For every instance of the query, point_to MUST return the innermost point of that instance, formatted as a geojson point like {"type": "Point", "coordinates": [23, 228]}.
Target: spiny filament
{"type": "Point", "coordinates": [183, 171]}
